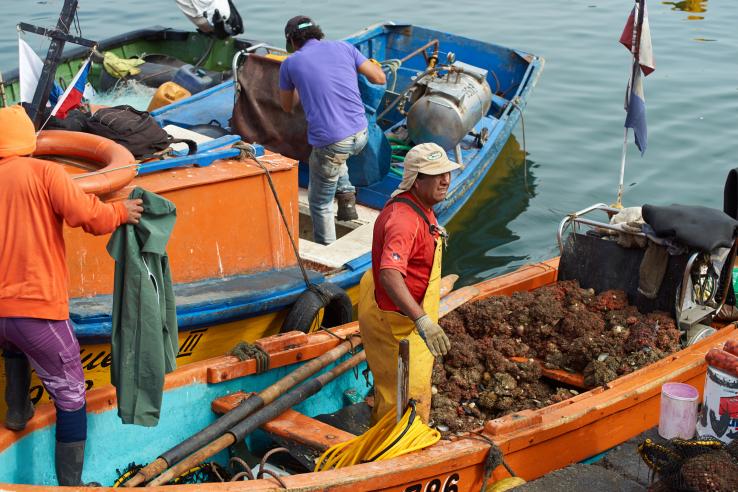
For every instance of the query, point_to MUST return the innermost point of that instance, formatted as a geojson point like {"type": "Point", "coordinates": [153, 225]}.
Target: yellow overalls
{"type": "Point", "coordinates": [381, 332]}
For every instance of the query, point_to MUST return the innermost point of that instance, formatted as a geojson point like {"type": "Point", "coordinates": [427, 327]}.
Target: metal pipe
{"type": "Point", "coordinates": [433, 42]}
{"type": "Point", "coordinates": [571, 217]}
{"type": "Point", "coordinates": [417, 79]}
{"type": "Point", "coordinates": [609, 227]}
{"type": "Point", "coordinates": [457, 151]}
{"type": "Point", "coordinates": [730, 261]}
{"type": "Point", "coordinates": [685, 281]}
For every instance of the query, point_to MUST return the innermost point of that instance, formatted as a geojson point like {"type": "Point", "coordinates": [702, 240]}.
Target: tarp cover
{"type": "Point", "coordinates": [701, 228]}
{"type": "Point", "coordinates": [258, 116]}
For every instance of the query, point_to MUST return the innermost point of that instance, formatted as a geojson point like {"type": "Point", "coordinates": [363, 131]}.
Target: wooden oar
{"type": "Point", "coordinates": [251, 423]}
{"type": "Point", "coordinates": [243, 410]}
{"type": "Point", "coordinates": [447, 283]}
{"type": "Point", "coordinates": [571, 378]}
{"type": "Point", "coordinates": [454, 299]}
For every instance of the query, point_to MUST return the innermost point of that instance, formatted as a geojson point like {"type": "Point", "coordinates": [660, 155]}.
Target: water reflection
{"type": "Point", "coordinates": [692, 6]}
{"type": "Point", "coordinates": [482, 224]}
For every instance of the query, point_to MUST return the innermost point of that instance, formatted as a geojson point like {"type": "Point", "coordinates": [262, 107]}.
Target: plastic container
{"type": "Point", "coordinates": [167, 93]}
{"type": "Point", "coordinates": [193, 79]}
{"type": "Point", "coordinates": [678, 415]}
{"type": "Point", "coordinates": [719, 415]}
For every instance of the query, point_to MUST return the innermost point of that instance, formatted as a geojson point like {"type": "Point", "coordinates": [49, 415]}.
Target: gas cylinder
{"type": "Point", "coordinates": [446, 108]}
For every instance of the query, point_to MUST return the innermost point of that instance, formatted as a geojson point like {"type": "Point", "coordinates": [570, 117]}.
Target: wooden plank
{"type": "Point", "coordinates": [296, 427]}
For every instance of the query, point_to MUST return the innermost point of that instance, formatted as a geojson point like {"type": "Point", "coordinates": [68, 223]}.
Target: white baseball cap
{"type": "Point", "coordinates": [426, 158]}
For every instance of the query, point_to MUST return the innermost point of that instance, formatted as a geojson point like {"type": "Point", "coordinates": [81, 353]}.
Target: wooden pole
{"type": "Point", "coordinates": [635, 47]}
{"type": "Point", "coordinates": [403, 377]}
{"type": "Point", "coordinates": [242, 411]}
{"type": "Point", "coordinates": [3, 98]}
{"type": "Point", "coordinates": [266, 414]}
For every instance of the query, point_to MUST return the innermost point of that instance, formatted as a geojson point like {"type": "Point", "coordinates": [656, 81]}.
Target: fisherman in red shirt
{"type": "Point", "coordinates": [399, 297]}
{"type": "Point", "coordinates": [36, 197]}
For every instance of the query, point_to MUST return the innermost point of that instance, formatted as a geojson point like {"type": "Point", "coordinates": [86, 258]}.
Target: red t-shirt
{"type": "Point", "coordinates": [402, 241]}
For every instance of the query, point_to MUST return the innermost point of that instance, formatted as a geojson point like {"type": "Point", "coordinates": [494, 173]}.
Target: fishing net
{"type": "Point", "coordinates": [126, 474]}
{"type": "Point", "coordinates": [692, 465]}
{"type": "Point", "coordinates": [204, 473]}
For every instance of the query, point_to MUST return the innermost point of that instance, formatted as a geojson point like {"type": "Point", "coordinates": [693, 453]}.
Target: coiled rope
{"type": "Point", "coordinates": [387, 439]}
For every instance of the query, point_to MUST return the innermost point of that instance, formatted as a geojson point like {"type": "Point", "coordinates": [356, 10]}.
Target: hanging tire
{"type": "Point", "coordinates": [336, 303]}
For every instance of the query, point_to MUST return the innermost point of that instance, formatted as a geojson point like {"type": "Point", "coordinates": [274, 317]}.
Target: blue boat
{"type": "Point", "coordinates": [223, 304]}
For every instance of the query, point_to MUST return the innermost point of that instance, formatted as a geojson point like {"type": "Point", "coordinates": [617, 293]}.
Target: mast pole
{"type": "Point", "coordinates": [46, 80]}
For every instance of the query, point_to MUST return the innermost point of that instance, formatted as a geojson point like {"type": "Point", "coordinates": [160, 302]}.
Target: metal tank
{"type": "Point", "coordinates": [446, 108]}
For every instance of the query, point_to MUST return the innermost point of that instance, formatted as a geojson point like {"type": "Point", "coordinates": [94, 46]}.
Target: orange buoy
{"type": "Point", "coordinates": [117, 164]}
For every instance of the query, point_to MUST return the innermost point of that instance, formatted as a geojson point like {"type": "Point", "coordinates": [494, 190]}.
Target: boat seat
{"type": "Point", "coordinates": [291, 427]}
{"type": "Point", "coordinates": [179, 132]}
{"type": "Point", "coordinates": [354, 419]}
{"type": "Point", "coordinates": [248, 293]}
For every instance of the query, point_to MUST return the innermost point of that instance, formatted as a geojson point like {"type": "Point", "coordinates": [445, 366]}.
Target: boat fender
{"type": "Point", "coordinates": [117, 164]}
{"type": "Point", "coordinates": [505, 484]}
{"type": "Point", "coordinates": [336, 303]}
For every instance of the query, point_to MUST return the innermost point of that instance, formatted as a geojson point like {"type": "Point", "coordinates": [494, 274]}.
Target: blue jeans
{"type": "Point", "coordinates": [328, 176]}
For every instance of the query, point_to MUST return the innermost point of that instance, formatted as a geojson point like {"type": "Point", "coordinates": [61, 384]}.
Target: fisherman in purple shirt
{"type": "Point", "coordinates": [323, 75]}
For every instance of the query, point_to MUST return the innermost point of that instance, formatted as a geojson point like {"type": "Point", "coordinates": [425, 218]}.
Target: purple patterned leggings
{"type": "Point", "coordinates": [53, 351]}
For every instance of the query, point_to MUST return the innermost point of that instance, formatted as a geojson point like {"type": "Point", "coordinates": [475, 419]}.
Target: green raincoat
{"type": "Point", "coordinates": [144, 336]}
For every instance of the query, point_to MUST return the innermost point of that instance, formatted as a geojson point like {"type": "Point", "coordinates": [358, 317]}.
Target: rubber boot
{"type": "Point", "coordinates": [68, 459]}
{"type": "Point", "coordinates": [17, 384]}
{"type": "Point", "coordinates": [346, 206]}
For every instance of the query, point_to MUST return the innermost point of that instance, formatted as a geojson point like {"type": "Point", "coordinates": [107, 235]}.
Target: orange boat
{"type": "Point", "coordinates": [533, 442]}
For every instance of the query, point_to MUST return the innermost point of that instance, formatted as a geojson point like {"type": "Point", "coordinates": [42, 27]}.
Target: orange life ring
{"type": "Point", "coordinates": [117, 164]}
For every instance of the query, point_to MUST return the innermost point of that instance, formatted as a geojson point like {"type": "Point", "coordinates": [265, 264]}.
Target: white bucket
{"type": "Point", "coordinates": [719, 415]}
{"type": "Point", "coordinates": [678, 414]}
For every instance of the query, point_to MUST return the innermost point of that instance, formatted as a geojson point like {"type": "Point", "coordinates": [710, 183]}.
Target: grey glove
{"type": "Point", "coordinates": [433, 335]}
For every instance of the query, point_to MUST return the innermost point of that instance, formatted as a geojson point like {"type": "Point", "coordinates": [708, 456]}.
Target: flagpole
{"type": "Point", "coordinates": [619, 203]}
{"type": "Point", "coordinates": [635, 48]}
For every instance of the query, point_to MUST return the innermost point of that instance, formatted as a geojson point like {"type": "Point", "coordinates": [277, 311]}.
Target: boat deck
{"type": "Point", "coordinates": [354, 238]}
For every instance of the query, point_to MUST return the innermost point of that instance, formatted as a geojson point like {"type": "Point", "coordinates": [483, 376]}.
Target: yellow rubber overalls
{"type": "Point", "coordinates": [381, 332]}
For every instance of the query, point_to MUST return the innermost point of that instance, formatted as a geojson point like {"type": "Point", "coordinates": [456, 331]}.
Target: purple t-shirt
{"type": "Point", "coordinates": [324, 73]}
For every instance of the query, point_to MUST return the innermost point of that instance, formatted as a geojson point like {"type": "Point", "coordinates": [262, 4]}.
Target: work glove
{"type": "Point", "coordinates": [433, 335]}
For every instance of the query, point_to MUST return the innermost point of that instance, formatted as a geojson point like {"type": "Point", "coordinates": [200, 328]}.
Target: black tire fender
{"type": "Point", "coordinates": [328, 296]}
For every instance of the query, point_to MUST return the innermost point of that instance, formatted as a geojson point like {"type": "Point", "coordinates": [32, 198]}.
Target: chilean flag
{"type": "Point", "coordinates": [637, 38]}
{"type": "Point", "coordinates": [72, 97]}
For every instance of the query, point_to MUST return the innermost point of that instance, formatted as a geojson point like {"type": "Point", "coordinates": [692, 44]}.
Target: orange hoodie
{"type": "Point", "coordinates": [35, 198]}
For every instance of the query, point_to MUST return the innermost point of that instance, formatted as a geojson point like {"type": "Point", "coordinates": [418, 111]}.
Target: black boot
{"type": "Point", "coordinates": [69, 458]}
{"type": "Point", "coordinates": [17, 384]}
{"type": "Point", "coordinates": [346, 206]}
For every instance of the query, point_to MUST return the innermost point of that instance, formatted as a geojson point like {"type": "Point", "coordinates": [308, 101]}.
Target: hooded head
{"type": "Point", "coordinates": [19, 135]}
{"type": "Point", "coordinates": [426, 158]}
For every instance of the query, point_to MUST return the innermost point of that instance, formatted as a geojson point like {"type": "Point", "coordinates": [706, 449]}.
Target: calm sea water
{"type": "Point", "coordinates": [574, 120]}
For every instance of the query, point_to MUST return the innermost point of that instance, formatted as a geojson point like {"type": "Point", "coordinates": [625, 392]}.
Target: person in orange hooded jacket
{"type": "Point", "coordinates": [36, 197]}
